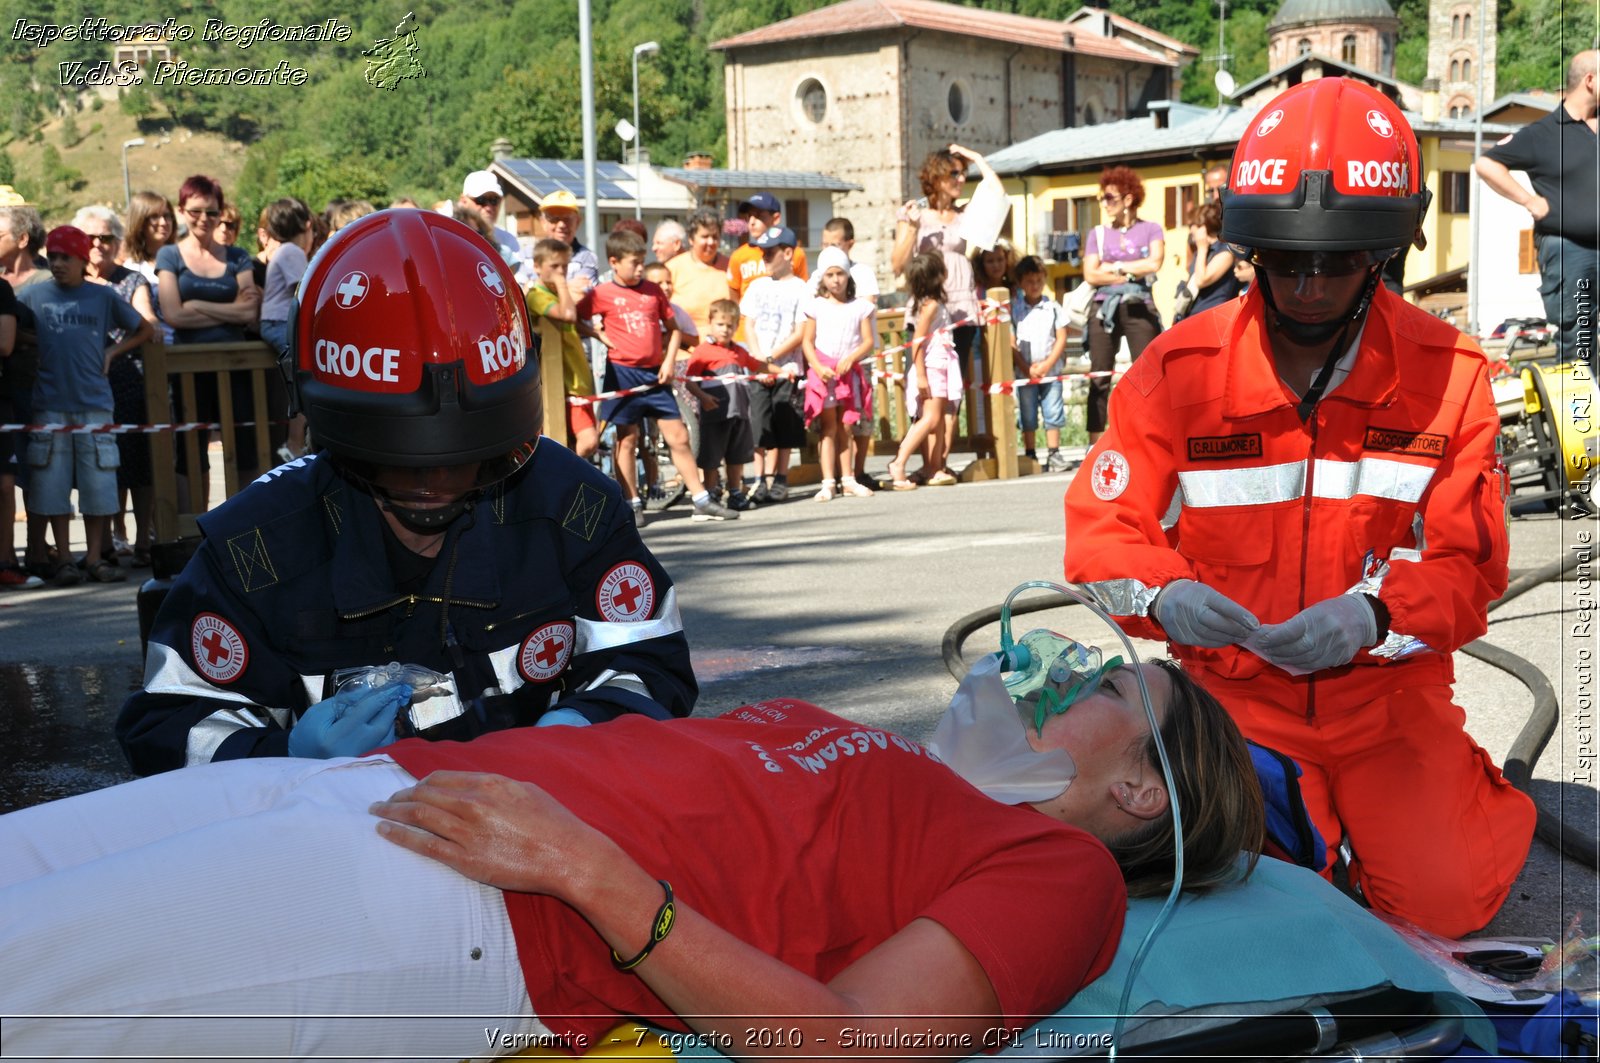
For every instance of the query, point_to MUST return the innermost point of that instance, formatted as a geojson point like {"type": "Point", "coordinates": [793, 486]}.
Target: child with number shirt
{"type": "Point", "coordinates": [633, 314]}
{"type": "Point", "coordinates": [772, 327]}
{"type": "Point", "coordinates": [1038, 340]}
{"type": "Point", "coordinates": [838, 335]}
{"type": "Point", "coordinates": [724, 404]}
{"type": "Point", "coordinates": [933, 383]}
{"type": "Point", "coordinates": [550, 299]}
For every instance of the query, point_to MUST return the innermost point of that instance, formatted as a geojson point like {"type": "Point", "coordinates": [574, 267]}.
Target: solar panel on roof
{"type": "Point", "coordinates": [544, 176]}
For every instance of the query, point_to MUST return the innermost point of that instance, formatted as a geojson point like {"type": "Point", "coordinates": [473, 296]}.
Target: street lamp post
{"type": "Point", "coordinates": [647, 48]}
{"type": "Point", "coordinates": [127, 187]}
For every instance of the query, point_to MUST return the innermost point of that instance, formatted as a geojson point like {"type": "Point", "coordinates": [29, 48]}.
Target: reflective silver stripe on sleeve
{"type": "Point", "coordinates": [1396, 646]}
{"type": "Point", "coordinates": [1208, 488]}
{"type": "Point", "coordinates": [313, 685]}
{"type": "Point", "coordinates": [1122, 597]}
{"type": "Point", "coordinates": [613, 678]}
{"type": "Point", "coordinates": [504, 662]}
{"type": "Point", "coordinates": [595, 635]}
{"type": "Point", "coordinates": [1375, 477]}
{"type": "Point", "coordinates": [209, 733]}
{"type": "Point", "coordinates": [166, 672]}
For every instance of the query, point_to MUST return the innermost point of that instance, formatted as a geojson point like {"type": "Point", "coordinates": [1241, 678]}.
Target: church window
{"type": "Point", "coordinates": [812, 99]}
{"type": "Point", "coordinates": [1304, 47]}
{"type": "Point", "coordinates": [958, 103]}
{"type": "Point", "coordinates": [1466, 70]}
{"type": "Point", "coordinates": [1347, 48]}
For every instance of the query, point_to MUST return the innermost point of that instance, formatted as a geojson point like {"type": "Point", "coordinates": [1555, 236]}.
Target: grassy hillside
{"type": "Point", "coordinates": [91, 146]}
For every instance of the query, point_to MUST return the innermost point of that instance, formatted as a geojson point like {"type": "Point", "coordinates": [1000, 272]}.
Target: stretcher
{"type": "Point", "coordinates": [1283, 965]}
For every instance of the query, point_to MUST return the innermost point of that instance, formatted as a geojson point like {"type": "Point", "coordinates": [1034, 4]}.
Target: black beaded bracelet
{"type": "Point", "coordinates": [666, 915]}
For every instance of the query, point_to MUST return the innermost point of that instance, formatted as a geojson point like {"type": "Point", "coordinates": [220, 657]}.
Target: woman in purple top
{"type": "Point", "coordinates": [930, 224]}
{"type": "Point", "coordinates": [1121, 260]}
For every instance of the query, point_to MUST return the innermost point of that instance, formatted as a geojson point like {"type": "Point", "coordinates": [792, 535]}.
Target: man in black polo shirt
{"type": "Point", "coordinates": [1561, 155]}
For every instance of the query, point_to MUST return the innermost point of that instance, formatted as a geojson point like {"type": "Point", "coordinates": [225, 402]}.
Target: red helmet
{"type": "Point", "coordinates": [410, 345]}
{"type": "Point", "coordinates": [1329, 165]}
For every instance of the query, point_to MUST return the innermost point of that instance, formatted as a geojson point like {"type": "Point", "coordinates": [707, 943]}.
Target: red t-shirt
{"type": "Point", "coordinates": [633, 319]}
{"type": "Point", "coordinates": [709, 358]}
{"type": "Point", "coordinates": [807, 836]}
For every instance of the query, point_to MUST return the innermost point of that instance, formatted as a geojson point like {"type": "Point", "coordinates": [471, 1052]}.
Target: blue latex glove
{"type": "Point", "coordinates": [563, 718]}
{"type": "Point", "coordinates": [1324, 635]}
{"type": "Point", "coordinates": [350, 723]}
{"type": "Point", "coordinates": [1196, 615]}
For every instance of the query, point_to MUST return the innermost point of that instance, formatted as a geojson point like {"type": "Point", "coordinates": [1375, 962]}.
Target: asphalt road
{"type": "Point", "coordinates": [845, 604]}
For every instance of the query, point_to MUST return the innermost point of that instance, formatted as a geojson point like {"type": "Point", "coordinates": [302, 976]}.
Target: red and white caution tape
{"type": "Point", "coordinates": [1008, 387]}
{"type": "Point", "coordinates": [120, 429]}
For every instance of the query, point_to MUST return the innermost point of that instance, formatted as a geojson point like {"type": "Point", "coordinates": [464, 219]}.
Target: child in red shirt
{"type": "Point", "coordinates": [634, 314]}
{"type": "Point", "coordinates": [725, 434]}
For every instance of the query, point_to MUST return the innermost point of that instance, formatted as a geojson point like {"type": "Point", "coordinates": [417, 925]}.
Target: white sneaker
{"type": "Point", "coordinates": [855, 488]}
{"type": "Point", "coordinates": [826, 494]}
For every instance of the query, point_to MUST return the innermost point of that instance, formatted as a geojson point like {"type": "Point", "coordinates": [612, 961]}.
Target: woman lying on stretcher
{"type": "Point", "coordinates": [779, 879]}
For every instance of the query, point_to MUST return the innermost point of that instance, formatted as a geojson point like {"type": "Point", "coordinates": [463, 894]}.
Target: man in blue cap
{"type": "Point", "coordinates": [761, 212]}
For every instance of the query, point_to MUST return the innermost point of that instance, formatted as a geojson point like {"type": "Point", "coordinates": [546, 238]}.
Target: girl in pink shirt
{"type": "Point", "coordinates": [836, 335]}
{"type": "Point", "coordinates": [933, 384]}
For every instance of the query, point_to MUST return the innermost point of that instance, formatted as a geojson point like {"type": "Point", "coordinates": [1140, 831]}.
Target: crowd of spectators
{"type": "Point", "coordinates": [184, 271]}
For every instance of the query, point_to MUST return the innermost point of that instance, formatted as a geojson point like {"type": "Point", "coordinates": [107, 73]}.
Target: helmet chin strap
{"type": "Point", "coordinates": [427, 521]}
{"type": "Point", "coordinates": [1307, 335]}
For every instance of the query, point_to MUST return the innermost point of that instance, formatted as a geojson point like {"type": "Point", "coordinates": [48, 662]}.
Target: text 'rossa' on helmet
{"type": "Point", "coordinates": [411, 346]}
{"type": "Point", "coordinates": [1328, 165]}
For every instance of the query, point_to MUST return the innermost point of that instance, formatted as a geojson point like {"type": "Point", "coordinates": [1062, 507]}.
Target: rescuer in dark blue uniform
{"type": "Point", "coordinates": [436, 530]}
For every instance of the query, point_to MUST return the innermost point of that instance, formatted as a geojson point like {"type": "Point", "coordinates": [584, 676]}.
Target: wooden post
{"type": "Point", "coordinates": [163, 471]}
{"type": "Point", "coordinates": [1002, 407]}
{"type": "Point", "coordinates": [552, 381]}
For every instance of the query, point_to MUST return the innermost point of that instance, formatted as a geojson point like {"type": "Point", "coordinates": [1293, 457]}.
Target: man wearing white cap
{"type": "Point", "coordinates": [481, 192]}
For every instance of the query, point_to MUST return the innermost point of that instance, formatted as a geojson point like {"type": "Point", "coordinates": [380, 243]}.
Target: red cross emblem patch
{"type": "Point", "coordinates": [546, 651]}
{"type": "Point", "coordinates": [626, 594]}
{"type": "Point", "coordinates": [219, 649]}
{"type": "Point", "coordinates": [1109, 477]}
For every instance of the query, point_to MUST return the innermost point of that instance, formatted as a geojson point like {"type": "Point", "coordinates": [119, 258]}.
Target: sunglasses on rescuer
{"type": "Point", "coordinates": [1314, 263]}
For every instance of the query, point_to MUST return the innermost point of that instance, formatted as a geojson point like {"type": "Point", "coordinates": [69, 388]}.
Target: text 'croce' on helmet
{"type": "Point", "coordinates": [410, 345]}
{"type": "Point", "coordinates": [1328, 165]}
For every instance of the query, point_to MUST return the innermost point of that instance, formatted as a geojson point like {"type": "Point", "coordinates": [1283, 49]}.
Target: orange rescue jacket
{"type": "Point", "coordinates": [1392, 487]}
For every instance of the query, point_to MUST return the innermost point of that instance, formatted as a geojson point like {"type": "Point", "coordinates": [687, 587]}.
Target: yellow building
{"type": "Point", "coordinates": [1053, 182]}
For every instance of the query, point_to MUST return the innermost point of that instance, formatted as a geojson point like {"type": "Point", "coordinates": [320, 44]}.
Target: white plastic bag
{"type": "Point", "coordinates": [983, 739]}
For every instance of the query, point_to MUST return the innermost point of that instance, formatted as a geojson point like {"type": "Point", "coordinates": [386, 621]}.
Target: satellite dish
{"type": "Point", "coordinates": [625, 129]}
{"type": "Point", "coordinates": [1224, 83]}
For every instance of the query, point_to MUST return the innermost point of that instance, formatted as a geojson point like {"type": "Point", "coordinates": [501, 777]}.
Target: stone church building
{"type": "Point", "coordinates": [864, 89]}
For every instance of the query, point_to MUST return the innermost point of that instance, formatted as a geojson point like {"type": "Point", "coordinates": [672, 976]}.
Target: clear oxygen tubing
{"type": "Point", "coordinates": [1008, 650]}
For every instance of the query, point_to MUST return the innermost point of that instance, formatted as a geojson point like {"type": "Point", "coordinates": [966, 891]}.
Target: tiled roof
{"type": "Point", "coordinates": [858, 16]}
{"type": "Point", "coordinates": [1134, 27]}
{"type": "Point", "coordinates": [759, 179]}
